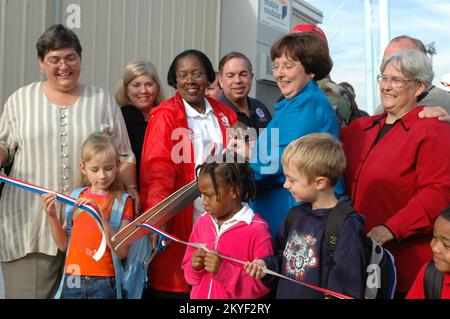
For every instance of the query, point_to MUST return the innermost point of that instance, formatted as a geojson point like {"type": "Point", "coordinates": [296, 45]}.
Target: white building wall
{"type": "Point", "coordinates": [112, 33]}
{"type": "Point", "coordinates": [21, 22]}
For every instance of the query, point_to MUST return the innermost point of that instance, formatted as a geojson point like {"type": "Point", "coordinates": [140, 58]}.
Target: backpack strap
{"type": "Point", "coordinates": [333, 227]}
{"type": "Point", "coordinates": [115, 219]}
{"type": "Point", "coordinates": [68, 212]}
{"type": "Point", "coordinates": [70, 209]}
{"type": "Point", "coordinates": [291, 217]}
{"type": "Point", "coordinates": [433, 281]}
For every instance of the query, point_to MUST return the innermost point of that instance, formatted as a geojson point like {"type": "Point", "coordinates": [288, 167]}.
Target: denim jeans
{"type": "Point", "coordinates": [89, 287]}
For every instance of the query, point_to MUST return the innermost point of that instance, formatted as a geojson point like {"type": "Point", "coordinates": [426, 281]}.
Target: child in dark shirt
{"type": "Point", "coordinates": [312, 166]}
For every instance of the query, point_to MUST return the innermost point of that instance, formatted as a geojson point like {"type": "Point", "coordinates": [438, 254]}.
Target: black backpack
{"type": "Point", "coordinates": [432, 282]}
{"type": "Point", "coordinates": [381, 278]}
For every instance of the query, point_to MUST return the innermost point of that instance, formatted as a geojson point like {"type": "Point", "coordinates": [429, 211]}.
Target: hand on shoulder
{"type": "Point", "coordinates": [433, 112]}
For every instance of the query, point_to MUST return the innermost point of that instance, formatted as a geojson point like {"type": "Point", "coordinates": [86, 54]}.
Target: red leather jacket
{"type": "Point", "coordinates": [160, 176]}
{"type": "Point", "coordinates": [403, 182]}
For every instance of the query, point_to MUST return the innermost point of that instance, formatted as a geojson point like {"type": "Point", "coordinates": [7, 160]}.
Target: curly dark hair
{"type": "Point", "coordinates": [230, 169]}
{"type": "Point", "coordinates": [446, 214]}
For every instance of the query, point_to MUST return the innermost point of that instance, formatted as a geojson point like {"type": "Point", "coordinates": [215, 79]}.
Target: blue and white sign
{"type": "Point", "coordinates": [276, 14]}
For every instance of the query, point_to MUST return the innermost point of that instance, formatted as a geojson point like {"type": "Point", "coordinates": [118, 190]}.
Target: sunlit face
{"type": "Point", "coordinates": [298, 185]}
{"type": "Point", "coordinates": [236, 79]}
{"type": "Point", "coordinates": [399, 100]}
{"type": "Point", "coordinates": [213, 90]}
{"type": "Point", "coordinates": [191, 80]}
{"type": "Point", "coordinates": [62, 69]}
{"type": "Point", "coordinates": [440, 245]}
{"type": "Point", "coordinates": [142, 91]}
{"type": "Point", "coordinates": [290, 76]}
{"type": "Point", "coordinates": [101, 171]}
{"type": "Point", "coordinates": [222, 205]}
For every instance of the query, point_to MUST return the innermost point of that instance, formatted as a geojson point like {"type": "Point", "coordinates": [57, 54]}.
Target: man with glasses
{"type": "Point", "coordinates": [235, 77]}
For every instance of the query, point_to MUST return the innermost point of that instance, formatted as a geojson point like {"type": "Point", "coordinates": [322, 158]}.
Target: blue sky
{"type": "Point", "coordinates": [426, 20]}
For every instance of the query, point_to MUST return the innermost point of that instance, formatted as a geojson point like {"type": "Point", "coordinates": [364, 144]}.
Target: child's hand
{"type": "Point", "coordinates": [212, 262]}
{"type": "Point", "coordinates": [105, 220]}
{"type": "Point", "coordinates": [49, 204]}
{"type": "Point", "coordinates": [198, 259]}
{"type": "Point", "coordinates": [255, 269]}
{"type": "Point", "coordinates": [84, 201]}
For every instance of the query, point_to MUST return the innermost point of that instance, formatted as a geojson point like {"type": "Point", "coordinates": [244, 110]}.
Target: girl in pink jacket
{"type": "Point", "coordinates": [229, 227]}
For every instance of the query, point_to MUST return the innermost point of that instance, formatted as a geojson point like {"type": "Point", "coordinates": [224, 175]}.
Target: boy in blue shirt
{"type": "Point", "coordinates": [312, 165]}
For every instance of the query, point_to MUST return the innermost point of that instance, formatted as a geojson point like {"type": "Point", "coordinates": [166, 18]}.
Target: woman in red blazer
{"type": "Point", "coordinates": [398, 166]}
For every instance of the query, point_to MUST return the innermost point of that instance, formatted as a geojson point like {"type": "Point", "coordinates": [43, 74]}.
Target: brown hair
{"type": "Point", "coordinates": [307, 48]}
{"type": "Point", "coordinates": [57, 37]}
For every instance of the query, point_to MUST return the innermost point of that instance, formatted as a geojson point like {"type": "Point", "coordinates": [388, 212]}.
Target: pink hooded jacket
{"type": "Point", "coordinates": [241, 241]}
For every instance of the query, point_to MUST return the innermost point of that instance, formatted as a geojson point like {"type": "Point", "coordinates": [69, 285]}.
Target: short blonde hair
{"type": "Point", "coordinates": [315, 155]}
{"type": "Point", "coordinates": [131, 71]}
{"type": "Point", "coordinates": [101, 144]}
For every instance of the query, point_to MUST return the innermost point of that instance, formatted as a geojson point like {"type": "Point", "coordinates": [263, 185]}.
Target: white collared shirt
{"type": "Point", "coordinates": [205, 136]}
{"type": "Point", "coordinates": [246, 215]}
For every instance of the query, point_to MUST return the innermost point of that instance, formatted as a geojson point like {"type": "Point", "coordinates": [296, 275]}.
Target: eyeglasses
{"type": "Point", "coordinates": [194, 77]}
{"type": "Point", "coordinates": [55, 62]}
{"type": "Point", "coordinates": [394, 81]}
{"type": "Point", "coordinates": [286, 66]}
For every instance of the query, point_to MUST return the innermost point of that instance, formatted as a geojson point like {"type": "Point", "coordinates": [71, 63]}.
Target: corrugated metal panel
{"type": "Point", "coordinates": [112, 33]}
{"type": "Point", "coordinates": [21, 22]}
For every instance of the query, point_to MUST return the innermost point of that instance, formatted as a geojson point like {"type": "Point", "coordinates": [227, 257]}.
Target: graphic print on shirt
{"type": "Point", "coordinates": [300, 255]}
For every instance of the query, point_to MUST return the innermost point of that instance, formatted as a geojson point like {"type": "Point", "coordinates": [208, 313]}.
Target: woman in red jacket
{"type": "Point", "coordinates": [181, 133]}
{"type": "Point", "coordinates": [398, 166]}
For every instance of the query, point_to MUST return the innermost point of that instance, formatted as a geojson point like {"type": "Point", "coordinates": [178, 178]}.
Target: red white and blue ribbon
{"type": "Point", "coordinates": [266, 270]}
{"type": "Point", "coordinates": [63, 199]}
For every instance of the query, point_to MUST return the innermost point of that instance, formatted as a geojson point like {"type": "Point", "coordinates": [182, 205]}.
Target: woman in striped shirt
{"type": "Point", "coordinates": [42, 128]}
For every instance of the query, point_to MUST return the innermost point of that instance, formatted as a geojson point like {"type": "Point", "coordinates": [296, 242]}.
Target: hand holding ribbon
{"type": "Point", "coordinates": [264, 269]}
{"type": "Point", "coordinates": [63, 199]}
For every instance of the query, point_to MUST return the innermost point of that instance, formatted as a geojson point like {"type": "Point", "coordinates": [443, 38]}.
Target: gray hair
{"type": "Point", "coordinates": [414, 64]}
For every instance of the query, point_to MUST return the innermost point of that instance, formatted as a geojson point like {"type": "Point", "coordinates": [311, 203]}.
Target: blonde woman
{"type": "Point", "coordinates": [138, 92]}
